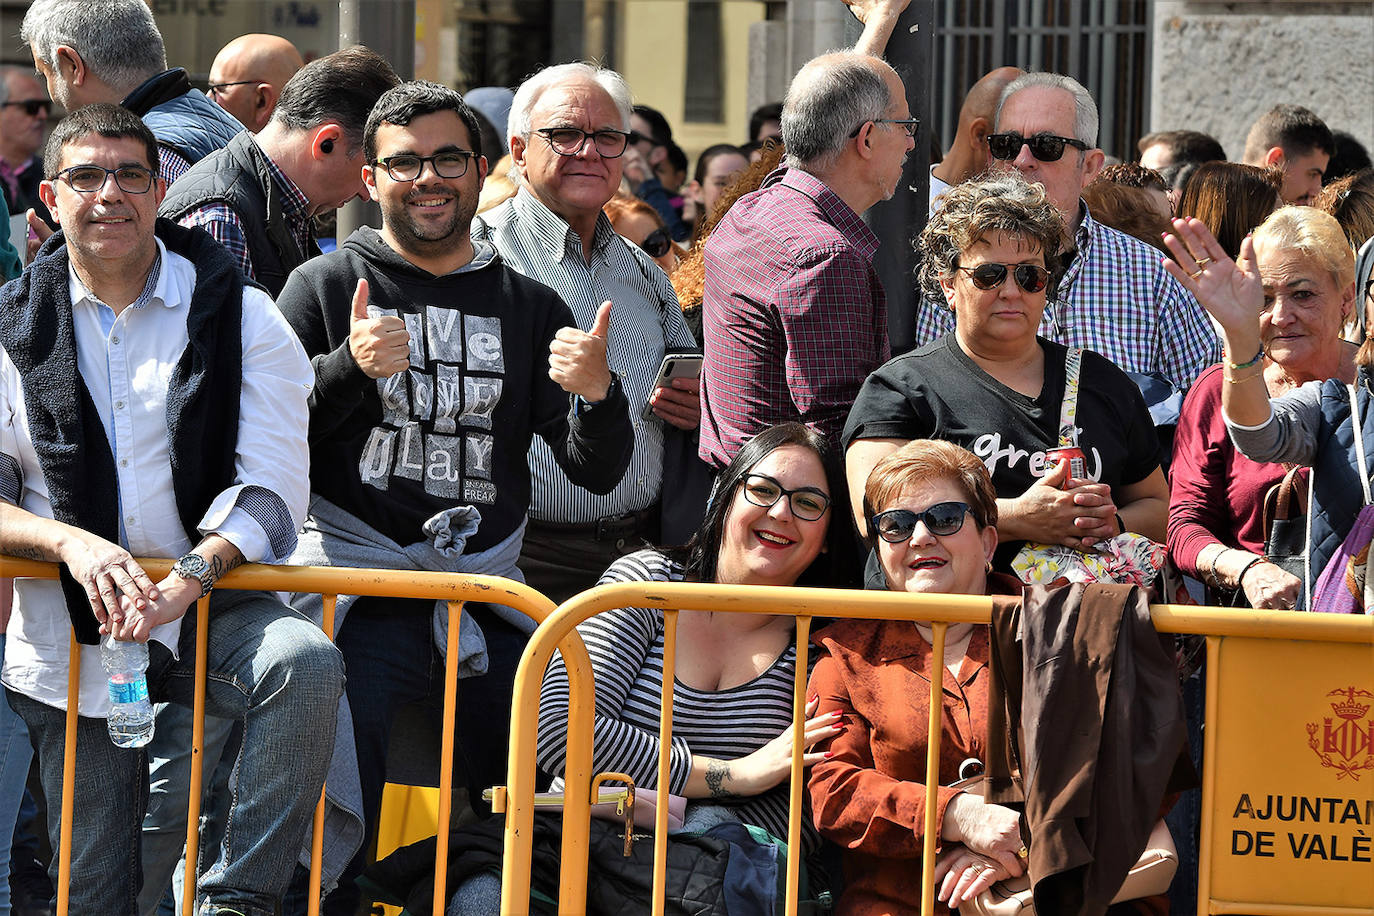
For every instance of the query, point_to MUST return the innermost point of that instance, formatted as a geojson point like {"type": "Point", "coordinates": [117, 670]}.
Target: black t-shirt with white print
{"type": "Point", "coordinates": [939, 392]}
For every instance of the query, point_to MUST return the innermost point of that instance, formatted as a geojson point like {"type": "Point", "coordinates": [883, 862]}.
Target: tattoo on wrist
{"type": "Point", "coordinates": [717, 771]}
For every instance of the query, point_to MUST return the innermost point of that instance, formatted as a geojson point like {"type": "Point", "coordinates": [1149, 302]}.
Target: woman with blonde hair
{"type": "Point", "coordinates": [1283, 299]}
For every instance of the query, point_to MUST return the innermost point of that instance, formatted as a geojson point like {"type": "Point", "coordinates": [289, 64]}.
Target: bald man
{"type": "Point", "coordinates": [968, 155]}
{"type": "Point", "coordinates": [248, 75]}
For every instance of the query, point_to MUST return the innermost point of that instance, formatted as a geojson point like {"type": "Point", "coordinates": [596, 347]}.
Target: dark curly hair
{"type": "Point", "coordinates": [972, 211]}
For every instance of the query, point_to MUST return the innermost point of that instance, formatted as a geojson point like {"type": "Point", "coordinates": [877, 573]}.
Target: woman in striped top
{"type": "Point", "coordinates": [769, 523]}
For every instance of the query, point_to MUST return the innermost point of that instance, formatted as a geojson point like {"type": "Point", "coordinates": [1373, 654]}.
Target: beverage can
{"type": "Point", "coordinates": [1078, 462]}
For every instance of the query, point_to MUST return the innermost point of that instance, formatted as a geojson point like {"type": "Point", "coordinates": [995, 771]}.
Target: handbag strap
{"type": "Point", "coordinates": [1068, 409]}
{"type": "Point", "coordinates": [1359, 442]}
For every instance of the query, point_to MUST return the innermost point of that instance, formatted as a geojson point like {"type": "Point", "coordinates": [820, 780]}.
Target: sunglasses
{"type": "Point", "coordinates": [32, 107]}
{"type": "Point", "coordinates": [1044, 147]}
{"type": "Point", "coordinates": [656, 244]}
{"type": "Point", "coordinates": [806, 503]}
{"type": "Point", "coordinates": [941, 519]}
{"type": "Point", "coordinates": [1032, 278]}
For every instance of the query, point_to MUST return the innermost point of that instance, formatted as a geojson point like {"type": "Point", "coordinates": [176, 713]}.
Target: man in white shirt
{"type": "Point", "coordinates": [152, 405]}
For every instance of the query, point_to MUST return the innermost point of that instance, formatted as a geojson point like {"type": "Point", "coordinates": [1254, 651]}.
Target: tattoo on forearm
{"type": "Point", "coordinates": [28, 553]}
{"type": "Point", "coordinates": [717, 771]}
{"type": "Point", "coordinates": [220, 566]}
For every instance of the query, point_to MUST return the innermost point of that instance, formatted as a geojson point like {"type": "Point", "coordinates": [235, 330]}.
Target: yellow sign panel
{"type": "Point", "coordinates": [1293, 807]}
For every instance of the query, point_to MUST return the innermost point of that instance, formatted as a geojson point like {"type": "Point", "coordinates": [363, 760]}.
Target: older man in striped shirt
{"type": "Point", "coordinates": [569, 127]}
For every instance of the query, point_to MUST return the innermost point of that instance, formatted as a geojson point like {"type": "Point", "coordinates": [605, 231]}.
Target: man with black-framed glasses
{"type": "Point", "coordinates": [24, 110]}
{"type": "Point", "coordinates": [248, 75]}
{"type": "Point", "coordinates": [185, 394]}
{"type": "Point", "coordinates": [436, 366]}
{"type": "Point", "coordinates": [1114, 297]}
{"type": "Point", "coordinates": [258, 194]}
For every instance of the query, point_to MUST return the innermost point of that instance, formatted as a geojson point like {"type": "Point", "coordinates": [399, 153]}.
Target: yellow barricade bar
{"type": "Point", "coordinates": [329, 582]}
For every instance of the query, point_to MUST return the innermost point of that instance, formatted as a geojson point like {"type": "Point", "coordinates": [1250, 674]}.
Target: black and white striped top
{"type": "Point", "coordinates": [645, 322]}
{"type": "Point", "coordinates": [626, 649]}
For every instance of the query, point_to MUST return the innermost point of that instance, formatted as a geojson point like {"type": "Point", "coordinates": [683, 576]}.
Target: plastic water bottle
{"type": "Point", "coordinates": [131, 715]}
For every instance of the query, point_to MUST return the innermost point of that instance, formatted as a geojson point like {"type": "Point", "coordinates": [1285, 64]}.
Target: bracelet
{"type": "Point", "coordinates": [1232, 380]}
{"type": "Point", "coordinates": [1211, 576]}
{"type": "Point", "coordinates": [1240, 579]}
{"type": "Point", "coordinates": [1254, 362]}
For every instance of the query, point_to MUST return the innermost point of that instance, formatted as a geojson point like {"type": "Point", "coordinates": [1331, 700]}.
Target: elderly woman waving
{"type": "Point", "coordinates": [994, 387]}
{"type": "Point", "coordinates": [1325, 424]}
{"type": "Point", "coordinates": [1216, 523]}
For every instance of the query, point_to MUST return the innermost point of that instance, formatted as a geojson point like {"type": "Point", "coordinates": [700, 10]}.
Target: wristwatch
{"type": "Point", "coordinates": [194, 566]}
{"type": "Point", "coordinates": [580, 403]}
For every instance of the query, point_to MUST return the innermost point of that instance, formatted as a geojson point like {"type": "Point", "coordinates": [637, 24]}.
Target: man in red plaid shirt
{"type": "Point", "coordinates": [794, 314]}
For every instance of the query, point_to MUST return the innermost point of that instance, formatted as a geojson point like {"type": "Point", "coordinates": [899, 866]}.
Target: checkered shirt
{"type": "Point", "coordinates": [222, 222]}
{"type": "Point", "coordinates": [794, 315]}
{"type": "Point", "coordinates": [1116, 299]}
{"type": "Point", "coordinates": [171, 164]}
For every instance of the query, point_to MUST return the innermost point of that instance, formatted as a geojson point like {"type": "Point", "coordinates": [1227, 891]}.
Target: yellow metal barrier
{"type": "Point", "coordinates": [1324, 643]}
{"type": "Point", "coordinates": [329, 583]}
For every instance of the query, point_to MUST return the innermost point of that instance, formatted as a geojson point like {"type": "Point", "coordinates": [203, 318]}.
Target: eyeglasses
{"type": "Point", "coordinates": [656, 244]}
{"type": "Point", "coordinates": [1044, 147]}
{"type": "Point", "coordinates": [806, 503]}
{"type": "Point", "coordinates": [87, 179]}
{"type": "Point", "coordinates": [448, 164]}
{"type": "Point", "coordinates": [941, 519]}
{"type": "Point", "coordinates": [907, 124]}
{"type": "Point", "coordinates": [1032, 278]}
{"type": "Point", "coordinates": [32, 107]}
{"type": "Point", "coordinates": [215, 89]}
{"type": "Point", "coordinates": [637, 137]}
{"type": "Point", "coordinates": [570, 141]}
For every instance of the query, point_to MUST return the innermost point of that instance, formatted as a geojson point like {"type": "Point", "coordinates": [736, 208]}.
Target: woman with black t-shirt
{"type": "Point", "coordinates": [997, 389]}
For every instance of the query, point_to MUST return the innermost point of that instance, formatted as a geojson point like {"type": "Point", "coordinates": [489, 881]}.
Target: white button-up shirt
{"type": "Point", "coordinates": [126, 361]}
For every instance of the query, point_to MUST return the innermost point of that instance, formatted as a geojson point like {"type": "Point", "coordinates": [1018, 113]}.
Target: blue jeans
{"type": "Point", "coordinates": [269, 667]}
{"type": "Point", "coordinates": [15, 754]}
{"type": "Point", "coordinates": [169, 785]}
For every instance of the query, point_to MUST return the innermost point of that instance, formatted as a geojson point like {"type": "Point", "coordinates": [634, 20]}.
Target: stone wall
{"type": "Point", "coordinates": [1219, 66]}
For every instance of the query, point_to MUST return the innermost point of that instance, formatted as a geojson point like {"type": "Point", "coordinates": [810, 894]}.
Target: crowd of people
{"type": "Point", "coordinates": [1117, 368]}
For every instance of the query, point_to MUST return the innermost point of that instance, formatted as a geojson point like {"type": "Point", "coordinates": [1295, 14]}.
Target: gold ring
{"type": "Point", "coordinates": [1022, 853]}
{"type": "Point", "coordinates": [1194, 276]}
{"type": "Point", "coordinates": [978, 868]}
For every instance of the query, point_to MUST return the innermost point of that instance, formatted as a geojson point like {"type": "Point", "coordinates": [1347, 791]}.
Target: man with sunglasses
{"type": "Point", "coordinates": [258, 194]}
{"type": "Point", "coordinates": [24, 109]}
{"type": "Point", "coordinates": [153, 404]}
{"type": "Point", "coordinates": [1114, 296]}
{"type": "Point", "coordinates": [569, 130]}
{"type": "Point", "coordinates": [436, 365]}
{"type": "Point", "coordinates": [794, 314]}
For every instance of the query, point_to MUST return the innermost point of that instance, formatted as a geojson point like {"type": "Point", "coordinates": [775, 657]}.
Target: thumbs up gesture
{"type": "Point", "coordinates": [380, 346]}
{"type": "Point", "coordinates": [577, 359]}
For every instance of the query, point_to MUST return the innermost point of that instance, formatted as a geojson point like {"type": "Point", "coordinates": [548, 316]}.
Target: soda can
{"type": "Point", "coordinates": [1078, 463]}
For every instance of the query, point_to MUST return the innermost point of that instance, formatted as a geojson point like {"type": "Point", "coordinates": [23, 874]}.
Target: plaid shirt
{"type": "Point", "coordinates": [1116, 299]}
{"type": "Point", "coordinates": [794, 314]}
{"type": "Point", "coordinates": [171, 165]}
{"type": "Point", "coordinates": [222, 222]}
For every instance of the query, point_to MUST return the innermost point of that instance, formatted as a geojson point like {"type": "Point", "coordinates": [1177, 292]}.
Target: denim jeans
{"type": "Point", "coordinates": [169, 785]}
{"type": "Point", "coordinates": [388, 646]}
{"type": "Point", "coordinates": [15, 754]}
{"type": "Point", "coordinates": [269, 667]}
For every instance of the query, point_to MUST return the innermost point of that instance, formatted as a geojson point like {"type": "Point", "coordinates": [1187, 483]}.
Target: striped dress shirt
{"type": "Point", "coordinates": [646, 321]}
{"type": "Point", "coordinates": [1116, 299]}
